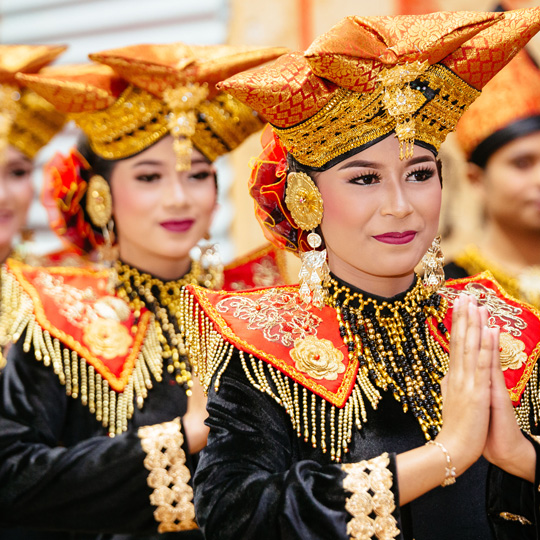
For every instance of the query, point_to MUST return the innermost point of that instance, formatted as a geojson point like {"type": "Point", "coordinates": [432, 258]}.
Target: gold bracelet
{"type": "Point", "coordinates": [450, 470]}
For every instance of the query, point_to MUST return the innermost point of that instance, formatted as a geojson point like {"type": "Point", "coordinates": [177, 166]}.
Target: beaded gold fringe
{"type": "Point", "coordinates": [315, 420]}
{"type": "Point", "coordinates": [113, 409]}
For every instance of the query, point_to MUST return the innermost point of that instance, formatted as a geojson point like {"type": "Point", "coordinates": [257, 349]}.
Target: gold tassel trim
{"type": "Point", "coordinates": [81, 380]}
{"type": "Point", "coordinates": [169, 476]}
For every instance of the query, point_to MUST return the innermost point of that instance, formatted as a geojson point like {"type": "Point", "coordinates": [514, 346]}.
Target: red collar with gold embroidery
{"type": "Point", "coordinates": [267, 322]}
{"type": "Point", "coordinates": [74, 306]}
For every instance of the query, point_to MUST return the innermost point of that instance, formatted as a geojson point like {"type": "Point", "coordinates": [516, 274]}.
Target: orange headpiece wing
{"type": "Point", "coordinates": [512, 95]}
{"type": "Point", "coordinates": [28, 121]}
{"type": "Point", "coordinates": [369, 77]}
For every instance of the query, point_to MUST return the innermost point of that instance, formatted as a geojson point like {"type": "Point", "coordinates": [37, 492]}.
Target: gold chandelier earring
{"type": "Point", "coordinates": [211, 265]}
{"type": "Point", "coordinates": [433, 262]}
{"type": "Point", "coordinates": [99, 208]}
{"type": "Point", "coordinates": [305, 204]}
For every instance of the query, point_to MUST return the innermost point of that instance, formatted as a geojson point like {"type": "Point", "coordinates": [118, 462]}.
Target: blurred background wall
{"type": "Point", "coordinates": [93, 25]}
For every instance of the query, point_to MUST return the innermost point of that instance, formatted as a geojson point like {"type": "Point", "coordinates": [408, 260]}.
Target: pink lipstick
{"type": "Point", "coordinates": [177, 225]}
{"type": "Point", "coordinates": [396, 237]}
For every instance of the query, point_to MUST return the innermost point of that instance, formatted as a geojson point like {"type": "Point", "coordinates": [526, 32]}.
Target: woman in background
{"type": "Point", "coordinates": [500, 137]}
{"type": "Point", "coordinates": [27, 123]}
{"type": "Point", "coordinates": [99, 413]}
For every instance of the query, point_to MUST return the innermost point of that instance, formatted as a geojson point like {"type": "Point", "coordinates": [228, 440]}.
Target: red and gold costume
{"type": "Point", "coordinates": [309, 407]}
{"type": "Point", "coordinates": [99, 356]}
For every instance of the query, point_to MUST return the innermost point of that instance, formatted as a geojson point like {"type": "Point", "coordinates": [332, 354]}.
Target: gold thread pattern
{"type": "Point", "coordinates": [508, 516]}
{"type": "Point", "coordinates": [512, 352]}
{"type": "Point", "coordinates": [372, 502]}
{"type": "Point", "coordinates": [169, 476]}
{"type": "Point", "coordinates": [278, 313]}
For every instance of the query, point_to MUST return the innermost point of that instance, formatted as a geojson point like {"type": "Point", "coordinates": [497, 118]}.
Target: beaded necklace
{"type": "Point", "coordinates": [165, 300]}
{"type": "Point", "coordinates": [395, 349]}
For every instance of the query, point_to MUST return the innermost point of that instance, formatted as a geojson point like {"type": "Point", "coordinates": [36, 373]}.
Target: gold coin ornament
{"type": "Point", "coordinates": [99, 201]}
{"type": "Point", "coordinates": [304, 201]}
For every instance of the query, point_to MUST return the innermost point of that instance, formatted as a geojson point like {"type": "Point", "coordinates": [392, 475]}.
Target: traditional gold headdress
{"type": "Point", "coordinates": [365, 79]}
{"type": "Point", "coordinates": [512, 95]}
{"type": "Point", "coordinates": [133, 96]}
{"type": "Point", "coordinates": [371, 76]}
{"type": "Point", "coordinates": [27, 121]}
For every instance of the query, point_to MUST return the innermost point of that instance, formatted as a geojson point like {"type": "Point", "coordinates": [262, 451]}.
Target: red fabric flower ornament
{"type": "Point", "coordinates": [267, 185]}
{"type": "Point", "coordinates": [64, 194]}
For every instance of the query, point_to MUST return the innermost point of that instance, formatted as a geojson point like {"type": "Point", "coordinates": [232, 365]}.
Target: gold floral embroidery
{"type": "Point", "coordinates": [279, 314]}
{"type": "Point", "coordinates": [169, 476]}
{"type": "Point", "coordinates": [372, 501]}
{"type": "Point", "coordinates": [508, 516]}
{"type": "Point", "coordinates": [107, 338]}
{"type": "Point", "coordinates": [318, 358]}
{"type": "Point", "coordinates": [512, 352]}
{"type": "Point", "coordinates": [498, 308]}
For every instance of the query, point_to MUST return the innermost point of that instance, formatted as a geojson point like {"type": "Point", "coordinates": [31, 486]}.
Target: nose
{"type": "Point", "coordinates": [396, 200]}
{"type": "Point", "coordinates": [175, 193]}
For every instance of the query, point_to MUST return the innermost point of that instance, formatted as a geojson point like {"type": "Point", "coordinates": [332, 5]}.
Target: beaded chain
{"type": "Point", "coordinates": [165, 300]}
{"type": "Point", "coordinates": [395, 349]}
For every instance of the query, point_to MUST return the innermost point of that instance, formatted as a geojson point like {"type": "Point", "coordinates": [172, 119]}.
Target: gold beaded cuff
{"type": "Point", "coordinates": [372, 501]}
{"type": "Point", "coordinates": [169, 476]}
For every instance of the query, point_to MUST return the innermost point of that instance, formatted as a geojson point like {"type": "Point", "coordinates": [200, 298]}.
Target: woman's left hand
{"type": "Point", "coordinates": [506, 446]}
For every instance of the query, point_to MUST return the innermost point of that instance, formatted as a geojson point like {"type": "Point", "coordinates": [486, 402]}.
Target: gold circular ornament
{"type": "Point", "coordinates": [304, 201]}
{"type": "Point", "coordinates": [318, 358]}
{"type": "Point", "coordinates": [99, 201]}
{"type": "Point", "coordinates": [513, 354]}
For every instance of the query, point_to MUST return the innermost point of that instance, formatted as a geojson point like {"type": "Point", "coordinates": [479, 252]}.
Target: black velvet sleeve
{"type": "Point", "coordinates": [255, 480]}
{"type": "Point", "coordinates": [514, 503]}
{"type": "Point", "coordinates": [98, 484]}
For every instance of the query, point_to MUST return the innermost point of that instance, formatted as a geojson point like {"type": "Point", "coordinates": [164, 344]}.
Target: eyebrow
{"type": "Point", "coordinates": [374, 164]}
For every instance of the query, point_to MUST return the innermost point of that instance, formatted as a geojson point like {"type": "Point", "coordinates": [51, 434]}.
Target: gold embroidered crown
{"type": "Point", "coordinates": [27, 121]}
{"type": "Point", "coordinates": [371, 76]}
{"type": "Point", "coordinates": [512, 95]}
{"type": "Point", "coordinates": [133, 96]}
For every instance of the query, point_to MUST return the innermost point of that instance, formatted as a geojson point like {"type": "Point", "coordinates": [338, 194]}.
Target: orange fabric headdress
{"type": "Point", "coordinates": [371, 76]}
{"type": "Point", "coordinates": [133, 96]}
{"type": "Point", "coordinates": [27, 121]}
{"type": "Point", "coordinates": [512, 95]}
{"type": "Point", "coordinates": [366, 78]}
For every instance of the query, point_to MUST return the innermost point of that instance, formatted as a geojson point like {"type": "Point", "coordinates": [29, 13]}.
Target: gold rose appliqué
{"type": "Point", "coordinates": [107, 338]}
{"type": "Point", "coordinates": [318, 358]}
{"type": "Point", "coordinates": [512, 352]}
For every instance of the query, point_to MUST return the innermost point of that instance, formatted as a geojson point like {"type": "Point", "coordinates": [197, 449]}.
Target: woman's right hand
{"type": "Point", "coordinates": [466, 406]}
{"type": "Point", "coordinates": [467, 385]}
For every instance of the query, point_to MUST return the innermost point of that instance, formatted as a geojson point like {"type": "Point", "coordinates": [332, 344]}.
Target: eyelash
{"type": "Point", "coordinates": [425, 172]}
{"type": "Point", "coordinates": [147, 178]}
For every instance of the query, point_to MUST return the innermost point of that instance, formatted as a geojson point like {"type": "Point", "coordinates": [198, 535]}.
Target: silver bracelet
{"type": "Point", "coordinates": [450, 470]}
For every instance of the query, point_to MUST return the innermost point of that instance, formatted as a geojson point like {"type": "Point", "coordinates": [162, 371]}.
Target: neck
{"type": "Point", "coordinates": [383, 286]}
{"type": "Point", "coordinates": [511, 249]}
{"type": "Point", "coordinates": [160, 267]}
{"type": "Point", "coordinates": [5, 251]}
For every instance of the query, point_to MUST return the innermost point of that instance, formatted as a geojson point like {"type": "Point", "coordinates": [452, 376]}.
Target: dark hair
{"type": "Point", "coordinates": [98, 165]}
{"type": "Point", "coordinates": [520, 128]}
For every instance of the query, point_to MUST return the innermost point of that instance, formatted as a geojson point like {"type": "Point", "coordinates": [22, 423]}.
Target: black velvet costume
{"type": "Point", "coordinates": [62, 476]}
{"type": "Point", "coordinates": [257, 479]}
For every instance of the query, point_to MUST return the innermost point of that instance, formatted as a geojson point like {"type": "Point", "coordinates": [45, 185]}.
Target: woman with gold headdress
{"type": "Point", "coordinates": [99, 414]}
{"type": "Point", "coordinates": [500, 136]}
{"type": "Point", "coordinates": [27, 123]}
{"type": "Point", "coordinates": [325, 400]}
